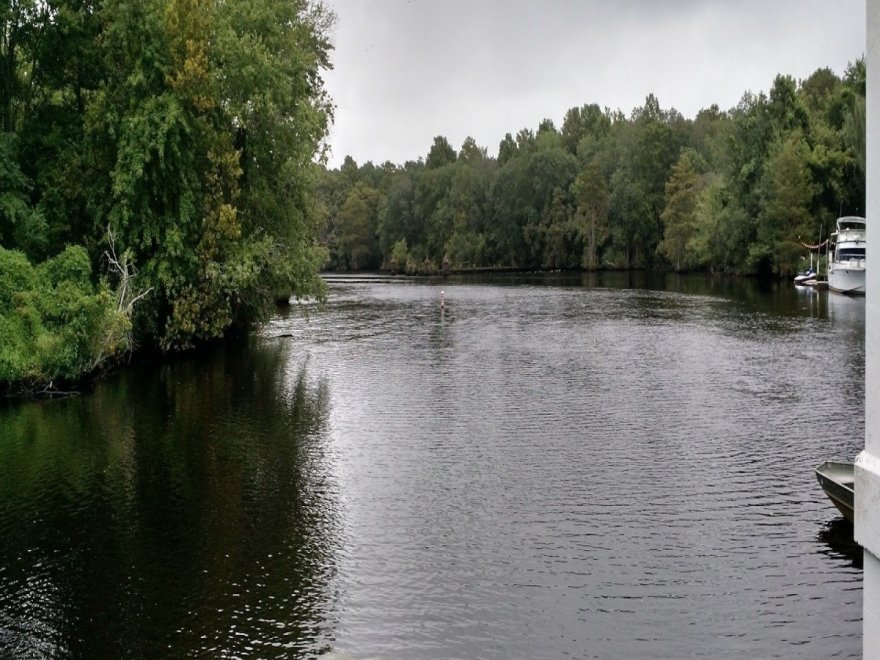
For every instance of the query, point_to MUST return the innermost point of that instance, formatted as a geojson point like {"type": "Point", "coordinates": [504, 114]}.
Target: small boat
{"type": "Point", "coordinates": [838, 482]}
{"type": "Point", "coordinates": [808, 277]}
{"type": "Point", "coordinates": [846, 260]}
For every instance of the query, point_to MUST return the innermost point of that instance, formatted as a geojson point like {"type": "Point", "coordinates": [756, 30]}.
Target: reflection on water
{"type": "Point", "coordinates": [177, 509]}
{"type": "Point", "coordinates": [612, 465]}
{"type": "Point", "coordinates": [837, 535]}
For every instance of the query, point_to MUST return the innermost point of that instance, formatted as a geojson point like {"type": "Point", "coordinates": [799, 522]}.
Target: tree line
{"type": "Point", "coordinates": [157, 164]}
{"type": "Point", "coordinates": [731, 191]}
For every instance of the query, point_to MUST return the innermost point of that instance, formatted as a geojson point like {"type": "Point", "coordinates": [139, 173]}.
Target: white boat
{"type": "Point", "coordinates": [808, 277]}
{"type": "Point", "coordinates": [846, 259]}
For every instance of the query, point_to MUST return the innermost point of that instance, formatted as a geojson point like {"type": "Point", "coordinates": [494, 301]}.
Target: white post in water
{"type": "Point", "coordinates": [867, 487]}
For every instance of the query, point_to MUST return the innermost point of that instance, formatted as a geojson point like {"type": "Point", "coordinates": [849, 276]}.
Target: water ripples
{"type": "Point", "coordinates": [533, 471]}
{"type": "Point", "coordinates": [549, 472]}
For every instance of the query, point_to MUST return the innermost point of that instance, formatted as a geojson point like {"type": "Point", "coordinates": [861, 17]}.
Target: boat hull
{"type": "Point", "coordinates": [846, 280]}
{"type": "Point", "coordinates": [838, 482]}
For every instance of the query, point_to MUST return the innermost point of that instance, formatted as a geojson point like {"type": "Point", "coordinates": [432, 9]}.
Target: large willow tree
{"type": "Point", "coordinates": [183, 133]}
{"type": "Point", "coordinates": [213, 131]}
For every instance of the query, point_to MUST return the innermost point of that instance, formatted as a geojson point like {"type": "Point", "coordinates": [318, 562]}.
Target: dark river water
{"type": "Point", "coordinates": [598, 467]}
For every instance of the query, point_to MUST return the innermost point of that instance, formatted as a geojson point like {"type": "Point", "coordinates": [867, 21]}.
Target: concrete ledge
{"type": "Point", "coordinates": [867, 502]}
{"type": "Point", "coordinates": [871, 615]}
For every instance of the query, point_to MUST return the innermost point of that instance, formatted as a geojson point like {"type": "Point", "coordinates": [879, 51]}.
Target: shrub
{"type": "Point", "coordinates": [54, 323]}
{"type": "Point", "coordinates": [16, 275]}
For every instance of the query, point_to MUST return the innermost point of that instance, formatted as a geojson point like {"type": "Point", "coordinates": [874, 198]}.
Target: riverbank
{"type": "Point", "coordinates": [39, 375]}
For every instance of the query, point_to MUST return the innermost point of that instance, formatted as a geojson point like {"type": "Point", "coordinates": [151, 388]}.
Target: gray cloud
{"type": "Point", "coordinates": [407, 70]}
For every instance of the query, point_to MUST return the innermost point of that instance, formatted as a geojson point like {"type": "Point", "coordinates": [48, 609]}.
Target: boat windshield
{"type": "Point", "coordinates": [848, 254]}
{"type": "Point", "coordinates": [851, 224]}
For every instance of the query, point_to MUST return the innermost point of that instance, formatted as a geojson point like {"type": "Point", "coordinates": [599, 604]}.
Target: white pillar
{"type": "Point", "coordinates": [867, 505]}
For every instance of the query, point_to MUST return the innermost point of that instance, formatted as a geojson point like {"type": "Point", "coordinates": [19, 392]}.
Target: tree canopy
{"type": "Point", "coordinates": [732, 191]}
{"type": "Point", "coordinates": [181, 133]}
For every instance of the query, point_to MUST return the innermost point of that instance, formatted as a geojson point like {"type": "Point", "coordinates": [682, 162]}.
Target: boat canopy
{"type": "Point", "coordinates": [850, 222]}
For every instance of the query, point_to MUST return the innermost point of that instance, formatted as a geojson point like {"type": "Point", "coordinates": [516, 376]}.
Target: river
{"type": "Point", "coordinates": [605, 466]}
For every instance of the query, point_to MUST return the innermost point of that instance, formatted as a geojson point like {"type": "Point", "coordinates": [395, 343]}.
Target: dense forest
{"type": "Point", "coordinates": [157, 165]}
{"type": "Point", "coordinates": [733, 191]}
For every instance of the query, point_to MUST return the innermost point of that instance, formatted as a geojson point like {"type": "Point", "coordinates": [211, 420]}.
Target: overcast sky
{"type": "Point", "coordinates": [408, 70]}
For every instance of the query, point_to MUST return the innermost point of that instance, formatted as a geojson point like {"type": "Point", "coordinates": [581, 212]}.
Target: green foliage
{"type": "Point", "coordinates": [591, 214]}
{"type": "Point", "coordinates": [632, 225]}
{"type": "Point", "coordinates": [471, 153]}
{"type": "Point", "coordinates": [441, 153]}
{"type": "Point", "coordinates": [786, 110]}
{"type": "Point", "coordinates": [854, 131]}
{"type": "Point", "coordinates": [467, 203]}
{"type": "Point", "coordinates": [559, 234]}
{"type": "Point", "coordinates": [358, 223]}
{"type": "Point", "coordinates": [397, 219]}
{"type": "Point", "coordinates": [16, 276]}
{"type": "Point", "coordinates": [680, 216]}
{"type": "Point", "coordinates": [724, 229]}
{"type": "Point", "coordinates": [20, 224]}
{"type": "Point", "coordinates": [727, 191]}
{"type": "Point", "coordinates": [187, 128]}
{"type": "Point", "coordinates": [506, 149]}
{"type": "Point", "coordinates": [587, 122]}
{"type": "Point", "coordinates": [785, 219]}
{"type": "Point", "coordinates": [399, 256]}
{"type": "Point", "coordinates": [54, 323]}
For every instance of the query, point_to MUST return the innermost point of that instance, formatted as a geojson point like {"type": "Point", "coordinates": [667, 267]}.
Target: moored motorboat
{"type": "Point", "coordinates": [846, 259]}
{"type": "Point", "coordinates": [807, 278]}
{"type": "Point", "coordinates": [838, 481]}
